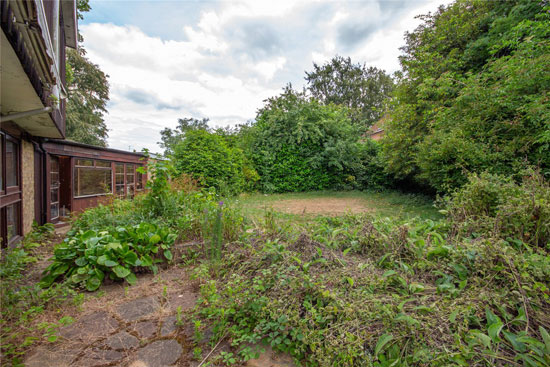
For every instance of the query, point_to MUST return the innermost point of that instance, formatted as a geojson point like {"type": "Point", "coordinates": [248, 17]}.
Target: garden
{"type": "Point", "coordinates": [298, 239]}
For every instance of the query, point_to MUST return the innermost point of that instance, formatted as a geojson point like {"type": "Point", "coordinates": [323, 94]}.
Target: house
{"type": "Point", "coordinates": [42, 176]}
{"type": "Point", "coordinates": [376, 131]}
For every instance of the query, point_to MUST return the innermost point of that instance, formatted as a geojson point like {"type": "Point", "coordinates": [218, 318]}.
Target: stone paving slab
{"type": "Point", "coordinates": [146, 329]}
{"type": "Point", "coordinates": [90, 327]}
{"type": "Point", "coordinates": [47, 358]}
{"type": "Point", "coordinates": [122, 341]}
{"type": "Point", "coordinates": [138, 308]}
{"type": "Point", "coordinates": [169, 325]}
{"type": "Point", "coordinates": [159, 354]}
{"type": "Point", "coordinates": [95, 357]}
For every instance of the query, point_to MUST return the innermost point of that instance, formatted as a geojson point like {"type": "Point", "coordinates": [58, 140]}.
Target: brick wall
{"type": "Point", "coordinates": [27, 168]}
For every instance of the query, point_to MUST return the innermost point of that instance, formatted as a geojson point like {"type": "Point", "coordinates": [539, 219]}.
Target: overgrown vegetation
{"type": "Point", "coordinates": [361, 290]}
{"type": "Point", "coordinates": [473, 95]}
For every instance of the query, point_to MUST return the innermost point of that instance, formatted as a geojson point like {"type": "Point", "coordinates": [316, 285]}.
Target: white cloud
{"type": "Point", "coordinates": [234, 56]}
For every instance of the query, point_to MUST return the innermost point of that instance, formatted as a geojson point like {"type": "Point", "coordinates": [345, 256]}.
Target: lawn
{"type": "Point", "coordinates": [304, 206]}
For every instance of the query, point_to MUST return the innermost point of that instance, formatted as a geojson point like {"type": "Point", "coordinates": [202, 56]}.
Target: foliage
{"type": "Point", "coordinates": [492, 205]}
{"type": "Point", "coordinates": [172, 137]}
{"type": "Point", "coordinates": [207, 158]}
{"type": "Point", "coordinates": [88, 90]}
{"type": "Point", "coordinates": [357, 290]}
{"type": "Point", "coordinates": [362, 90]}
{"type": "Point", "coordinates": [371, 174]}
{"type": "Point", "coordinates": [473, 94]}
{"type": "Point", "coordinates": [301, 145]}
{"type": "Point", "coordinates": [86, 258]}
{"type": "Point", "coordinates": [22, 301]}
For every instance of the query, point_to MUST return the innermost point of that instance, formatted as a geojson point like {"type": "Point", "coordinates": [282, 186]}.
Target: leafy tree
{"type": "Point", "coordinates": [171, 137]}
{"type": "Point", "coordinates": [88, 95]}
{"type": "Point", "coordinates": [88, 90]}
{"type": "Point", "coordinates": [473, 94]}
{"type": "Point", "coordinates": [207, 157]}
{"type": "Point", "coordinates": [302, 145]}
{"type": "Point", "coordinates": [362, 90]}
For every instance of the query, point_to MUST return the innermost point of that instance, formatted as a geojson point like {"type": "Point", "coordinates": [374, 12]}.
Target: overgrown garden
{"type": "Point", "coordinates": [466, 123]}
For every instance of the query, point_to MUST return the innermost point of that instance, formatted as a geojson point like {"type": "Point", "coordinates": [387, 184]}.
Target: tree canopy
{"type": "Point", "coordinates": [172, 137]}
{"type": "Point", "coordinates": [88, 90]}
{"type": "Point", "coordinates": [362, 90]}
{"type": "Point", "coordinates": [474, 94]}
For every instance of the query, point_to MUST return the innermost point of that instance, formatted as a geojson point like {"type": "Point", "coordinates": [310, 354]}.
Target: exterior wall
{"type": "Point", "coordinates": [27, 173]}
{"type": "Point", "coordinates": [377, 135]}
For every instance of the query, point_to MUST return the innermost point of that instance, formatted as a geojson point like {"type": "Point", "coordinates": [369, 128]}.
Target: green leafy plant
{"type": "Point", "coordinates": [86, 258]}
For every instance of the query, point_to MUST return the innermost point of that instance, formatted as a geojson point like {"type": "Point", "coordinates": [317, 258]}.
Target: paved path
{"type": "Point", "coordinates": [132, 326]}
{"type": "Point", "coordinates": [135, 326]}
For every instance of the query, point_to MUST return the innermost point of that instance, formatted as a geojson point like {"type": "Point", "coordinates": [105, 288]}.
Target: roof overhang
{"type": "Point", "coordinates": [19, 95]}
{"type": "Point", "coordinates": [70, 22]}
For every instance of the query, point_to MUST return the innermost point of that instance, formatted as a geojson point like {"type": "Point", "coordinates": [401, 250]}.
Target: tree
{"type": "Point", "coordinates": [362, 90]}
{"type": "Point", "coordinates": [88, 91]}
{"type": "Point", "coordinates": [88, 95]}
{"type": "Point", "coordinates": [207, 158]}
{"type": "Point", "coordinates": [301, 145]}
{"type": "Point", "coordinates": [171, 137]}
{"type": "Point", "coordinates": [474, 94]}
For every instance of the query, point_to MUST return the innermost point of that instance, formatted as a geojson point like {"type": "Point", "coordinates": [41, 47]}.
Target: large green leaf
{"type": "Point", "coordinates": [154, 239]}
{"type": "Point", "coordinates": [93, 283]}
{"type": "Point", "coordinates": [131, 279]}
{"type": "Point", "coordinates": [168, 255]}
{"type": "Point", "coordinates": [121, 271]}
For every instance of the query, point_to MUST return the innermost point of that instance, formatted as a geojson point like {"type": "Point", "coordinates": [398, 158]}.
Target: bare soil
{"type": "Point", "coordinates": [324, 206]}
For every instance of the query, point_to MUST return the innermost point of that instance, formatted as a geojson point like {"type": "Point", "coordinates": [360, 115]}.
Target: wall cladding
{"type": "Point", "coordinates": [27, 168]}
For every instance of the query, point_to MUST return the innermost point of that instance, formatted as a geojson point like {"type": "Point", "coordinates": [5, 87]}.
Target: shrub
{"type": "Point", "coordinates": [494, 205]}
{"type": "Point", "coordinates": [301, 145]}
{"type": "Point", "coordinates": [85, 258]}
{"type": "Point", "coordinates": [208, 159]}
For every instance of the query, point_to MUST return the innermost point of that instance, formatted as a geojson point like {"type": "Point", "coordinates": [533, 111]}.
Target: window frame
{"type": "Point", "coordinates": [10, 195]}
{"type": "Point", "coordinates": [76, 166]}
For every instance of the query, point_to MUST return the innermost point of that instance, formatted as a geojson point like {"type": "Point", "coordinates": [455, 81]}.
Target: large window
{"type": "Point", "coordinates": [119, 179]}
{"type": "Point", "coordinates": [10, 189]}
{"type": "Point", "coordinates": [130, 179]}
{"type": "Point", "coordinates": [92, 177]}
{"type": "Point", "coordinates": [54, 188]}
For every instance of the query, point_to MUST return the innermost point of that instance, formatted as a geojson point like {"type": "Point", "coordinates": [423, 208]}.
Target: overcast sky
{"type": "Point", "coordinates": [221, 59]}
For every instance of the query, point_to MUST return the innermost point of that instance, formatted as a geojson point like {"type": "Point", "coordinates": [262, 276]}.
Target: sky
{"type": "Point", "coordinates": [221, 59]}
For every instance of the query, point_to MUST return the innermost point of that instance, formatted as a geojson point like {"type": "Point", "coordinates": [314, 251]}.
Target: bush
{"type": "Point", "coordinates": [301, 145]}
{"type": "Point", "coordinates": [493, 205]}
{"type": "Point", "coordinates": [208, 159]}
{"type": "Point", "coordinates": [86, 258]}
{"type": "Point", "coordinates": [371, 174]}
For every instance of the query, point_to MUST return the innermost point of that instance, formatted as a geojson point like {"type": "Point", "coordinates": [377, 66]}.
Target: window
{"type": "Point", "coordinates": [130, 179]}
{"type": "Point", "coordinates": [139, 180]}
{"type": "Point", "coordinates": [119, 179]}
{"type": "Point", "coordinates": [54, 188]}
{"type": "Point", "coordinates": [91, 178]}
{"type": "Point", "coordinates": [12, 163]}
{"type": "Point", "coordinates": [10, 190]}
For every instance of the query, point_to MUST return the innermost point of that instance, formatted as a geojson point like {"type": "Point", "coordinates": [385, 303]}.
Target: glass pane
{"type": "Point", "coordinates": [54, 164]}
{"type": "Point", "coordinates": [119, 168]}
{"type": "Point", "coordinates": [130, 190]}
{"type": "Point", "coordinates": [84, 162]}
{"type": "Point", "coordinates": [54, 197]}
{"type": "Point", "coordinates": [119, 179]}
{"type": "Point", "coordinates": [130, 174]}
{"type": "Point", "coordinates": [92, 181]}
{"type": "Point", "coordinates": [12, 219]}
{"type": "Point", "coordinates": [139, 181]}
{"type": "Point", "coordinates": [11, 164]}
{"type": "Point", "coordinates": [54, 211]}
{"type": "Point", "coordinates": [103, 164]}
{"type": "Point", "coordinates": [120, 190]}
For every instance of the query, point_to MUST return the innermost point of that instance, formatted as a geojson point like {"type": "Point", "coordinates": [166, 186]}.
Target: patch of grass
{"type": "Point", "coordinates": [386, 204]}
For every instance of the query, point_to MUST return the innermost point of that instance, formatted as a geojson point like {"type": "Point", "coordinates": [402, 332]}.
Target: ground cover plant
{"type": "Point", "coordinates": [24, 304]}
{"type": "Point", "coordinates": [362, 290]}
